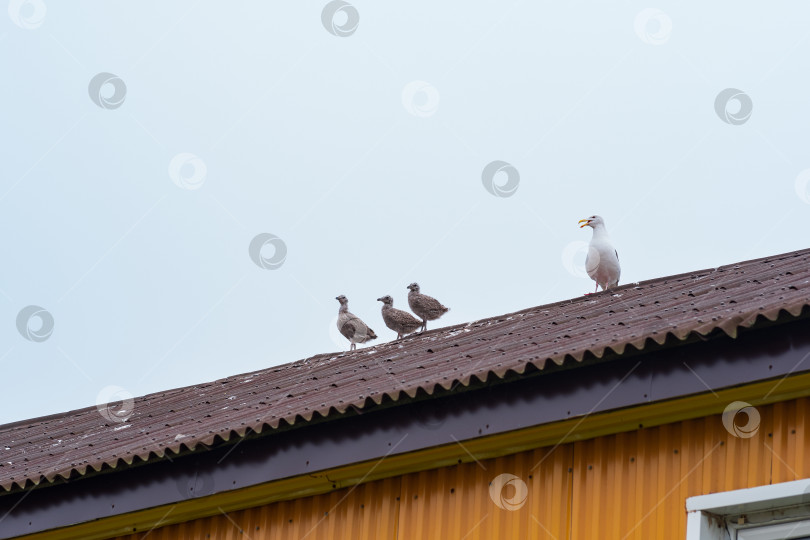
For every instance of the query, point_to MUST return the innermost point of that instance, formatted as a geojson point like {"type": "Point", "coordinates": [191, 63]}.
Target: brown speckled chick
{"type": "Point", "coordinates": [426, 307]}
{"type": "Point", "coordinates": [350, 325]}
{"type": "Point", "coordinates": [397, 320]}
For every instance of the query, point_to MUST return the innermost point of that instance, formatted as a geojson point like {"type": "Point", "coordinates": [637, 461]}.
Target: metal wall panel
{"type": "Point", "coordinates": [455, 502]}
{"type": "Point", "coordinates": [634, 485]}
{"type": "Point", "coordinates": [367, 511]}
{"type": "Point", "coordinates": [626, 486]}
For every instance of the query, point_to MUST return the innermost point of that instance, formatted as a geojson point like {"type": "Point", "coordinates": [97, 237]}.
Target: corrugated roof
{"type": "Point", "coordinates": [635, 315]}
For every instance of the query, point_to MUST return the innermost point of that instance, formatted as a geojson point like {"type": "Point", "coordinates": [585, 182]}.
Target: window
{"type": "Point", "coordinates": [793, 531]}
{"type": "Point", "coordinates": [775, 512]}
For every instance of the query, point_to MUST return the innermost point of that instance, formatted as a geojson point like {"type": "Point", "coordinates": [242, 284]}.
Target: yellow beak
{"type": "Point", "coordinates": [583, 222]}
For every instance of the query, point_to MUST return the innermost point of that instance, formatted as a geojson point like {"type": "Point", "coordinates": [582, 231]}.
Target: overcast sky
{"type": "Point", "coordinates": [146, 145]}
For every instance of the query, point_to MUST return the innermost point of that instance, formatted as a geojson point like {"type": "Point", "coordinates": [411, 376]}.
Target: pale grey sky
{"type": "Point", "coordinates": [129, 200]}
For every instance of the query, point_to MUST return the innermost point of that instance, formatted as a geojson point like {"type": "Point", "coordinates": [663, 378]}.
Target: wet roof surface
{"type": "Point", "coordinates": [607, 323]}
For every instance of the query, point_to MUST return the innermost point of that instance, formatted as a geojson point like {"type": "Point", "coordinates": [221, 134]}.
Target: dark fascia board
{"type": "Point", "coordinates": [649, 376]}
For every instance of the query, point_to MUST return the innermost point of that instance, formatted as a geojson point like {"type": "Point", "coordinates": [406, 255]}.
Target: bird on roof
{"type": "Point", "coordinates": [426, 307]}
{"type": "Point", "coordinates": [602, 262]}
{"type": "Point", "coordinates": [350, 325]}
{"type": "Point", "coordinates": [397, 320]}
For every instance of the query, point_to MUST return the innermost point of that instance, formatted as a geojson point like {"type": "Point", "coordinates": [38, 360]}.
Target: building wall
{"type": "Point", "coordinates": [625, 486]}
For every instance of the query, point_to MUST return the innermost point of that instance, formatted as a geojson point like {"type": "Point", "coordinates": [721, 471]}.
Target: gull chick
{"type": "Point", "coordinates": [426, 307]}
{"type": "Point", "coordinates": [397, 320]}
{"type": "Point", "coordinates": [350, 325]}
{"type": "Point", "coordinates": [602, 263]}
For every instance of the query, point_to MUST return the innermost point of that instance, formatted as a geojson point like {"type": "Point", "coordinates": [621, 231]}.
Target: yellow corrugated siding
{"type": "Point", "coordinates": [368, 511]}
{"type": "Point", "coordinates": [454, 502]}
{"type": "Point", "coordinates": [629, 485]}
{"type": "Point", "coordinates": [633, 485]}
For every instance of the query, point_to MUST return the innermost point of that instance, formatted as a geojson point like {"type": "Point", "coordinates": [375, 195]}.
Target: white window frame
{"type": "Point", "coordinates": [770, 512]}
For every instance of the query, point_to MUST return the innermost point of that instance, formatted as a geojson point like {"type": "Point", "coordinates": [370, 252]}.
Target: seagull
{"type": "Point", "coordinates": [425, 307]}
{"type": "Point", "coordinates": [397, 320]}
{"type": "Point", "coordinates": [350, 325]}
{"type": "Point", "coordinates": [602, 263]}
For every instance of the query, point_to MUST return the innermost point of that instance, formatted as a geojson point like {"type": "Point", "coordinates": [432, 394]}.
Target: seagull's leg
{"type": "Point", "coordinates": [596, 290]}
{"type": "Point", "coordinates": [353, 347]}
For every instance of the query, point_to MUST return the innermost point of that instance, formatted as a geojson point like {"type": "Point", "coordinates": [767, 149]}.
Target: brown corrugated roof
{"type": "Point", "coordinates": [634, 315]}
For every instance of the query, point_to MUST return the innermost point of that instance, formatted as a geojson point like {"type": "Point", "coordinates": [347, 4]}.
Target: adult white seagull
{"type": "Point", "coordinates": [602, 263]}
